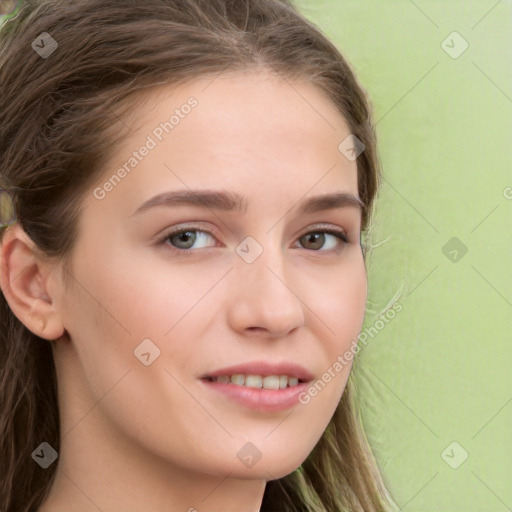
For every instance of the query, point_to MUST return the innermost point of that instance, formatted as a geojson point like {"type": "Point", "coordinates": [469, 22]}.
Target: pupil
{"type": "Point", "coordinates": [186, 235]}
{"type": "Point", "coordinates": [319, 239]}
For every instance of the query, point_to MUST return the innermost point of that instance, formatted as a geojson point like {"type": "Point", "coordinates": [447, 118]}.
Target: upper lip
{"type": "Point", "coordinates": [264, 369]}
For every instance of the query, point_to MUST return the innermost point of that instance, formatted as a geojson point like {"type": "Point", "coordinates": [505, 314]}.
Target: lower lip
{"type": "Point", "coordinates": [259, 399]}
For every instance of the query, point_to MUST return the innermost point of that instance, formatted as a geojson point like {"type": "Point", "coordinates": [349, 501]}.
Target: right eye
{"type": "Point", "coordinates": [182, 240]}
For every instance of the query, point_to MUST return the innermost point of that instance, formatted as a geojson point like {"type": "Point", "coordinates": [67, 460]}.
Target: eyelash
{"type": "Point", "coordinates": [187, 252]}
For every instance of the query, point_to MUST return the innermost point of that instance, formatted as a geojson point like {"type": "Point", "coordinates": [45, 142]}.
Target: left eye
{"type": "Point", "coordinates": [183, 240]}
{"type": "Point", "coordinates": [318, 238]}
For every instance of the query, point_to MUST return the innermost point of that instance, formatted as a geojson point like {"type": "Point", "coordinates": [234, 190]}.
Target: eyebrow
{"type": "Point", "coordinates": [231, 201]}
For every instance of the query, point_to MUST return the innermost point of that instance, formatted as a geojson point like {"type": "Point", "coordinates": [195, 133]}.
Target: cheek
{"type": "Point", "coordinates": [341, 308]}
{"type": "Point", "coordinates": [140, 299]}
{"type": "Point", "coordinates": [344, 306]}
{"type": "Point", "coordinates": [127, 309]}
{"type": "Point", "coordinates": [107, 318]}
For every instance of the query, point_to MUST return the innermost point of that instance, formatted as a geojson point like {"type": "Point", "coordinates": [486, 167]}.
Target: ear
{"type": "Point", "coordinates": [24, 279]}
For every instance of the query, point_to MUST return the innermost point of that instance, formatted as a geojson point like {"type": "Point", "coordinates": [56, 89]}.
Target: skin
{"type": "Point", "coordinates": [138, 437]}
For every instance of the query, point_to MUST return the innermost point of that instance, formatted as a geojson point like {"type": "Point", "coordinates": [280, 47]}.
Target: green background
{"type": "Point", "coordinates": [441, 370]}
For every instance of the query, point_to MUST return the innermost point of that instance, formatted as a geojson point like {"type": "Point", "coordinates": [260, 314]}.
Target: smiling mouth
{"type": "Point", "coordinates": [258, 381]}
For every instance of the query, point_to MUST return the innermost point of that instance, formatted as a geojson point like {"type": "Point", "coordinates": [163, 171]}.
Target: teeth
{"type": "Point", "coordinates": [271, 382]}
{"type": "Point", "coordinates": [238, 379]}
{"type": "Point", "coordinates": [258, 382]}
{"type": "Point", "coordinates": [254, 381]}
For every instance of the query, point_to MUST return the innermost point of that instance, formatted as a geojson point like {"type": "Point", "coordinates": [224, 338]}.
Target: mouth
{"type": "Point", "coordinates": [257, 381]}
{"type": "Point", "coordinates": [265, 387]}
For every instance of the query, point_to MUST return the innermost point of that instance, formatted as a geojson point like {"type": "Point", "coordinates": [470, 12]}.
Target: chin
{"type": "Point", "coordinates": [273, 468]}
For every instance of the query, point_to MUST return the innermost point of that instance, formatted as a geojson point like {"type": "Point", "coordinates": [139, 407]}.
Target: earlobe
{"type": "Point", "coordinates": [24, 283]}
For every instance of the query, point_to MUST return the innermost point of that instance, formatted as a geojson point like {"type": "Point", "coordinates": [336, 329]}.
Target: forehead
{"type": "Point", "coordinates": [249, 107]}
{"type": "Point", "coordinates": [250, 132]}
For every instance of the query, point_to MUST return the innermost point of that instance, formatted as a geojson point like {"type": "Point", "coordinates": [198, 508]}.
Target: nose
{"type": "Point", "coordinates": [264, 301]}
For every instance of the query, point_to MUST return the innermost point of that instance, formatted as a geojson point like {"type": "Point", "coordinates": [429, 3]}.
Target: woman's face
{"type": "Point", "coordinates": [153, 315]}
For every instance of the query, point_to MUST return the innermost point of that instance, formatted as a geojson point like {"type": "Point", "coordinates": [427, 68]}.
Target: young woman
{"type": "Point", "coordinates": [182, 275]}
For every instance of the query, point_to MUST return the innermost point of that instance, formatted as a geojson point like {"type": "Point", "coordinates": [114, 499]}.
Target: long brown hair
{"type": "Point", "coordinates": [56, 117]}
